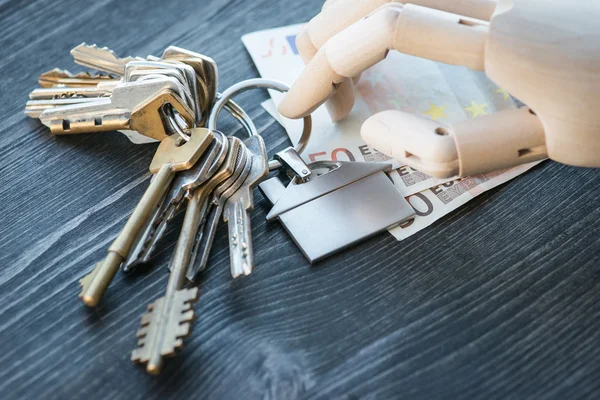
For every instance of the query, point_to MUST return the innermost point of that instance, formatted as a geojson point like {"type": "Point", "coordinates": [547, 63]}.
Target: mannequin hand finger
{"type": "Point", "coordinates": [345, 55]}
{"type": "Point", "coordinates": [341, 102]}
{"type": "Point", "coordinates": [413, 141]}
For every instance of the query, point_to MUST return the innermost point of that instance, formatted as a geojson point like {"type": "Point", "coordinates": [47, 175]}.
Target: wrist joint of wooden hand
{"type": "Point", "coordinates": [490, 143]}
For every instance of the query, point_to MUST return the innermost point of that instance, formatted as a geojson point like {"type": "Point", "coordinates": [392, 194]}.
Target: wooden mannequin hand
{"type": "Point", "coordinates": [545, 53]}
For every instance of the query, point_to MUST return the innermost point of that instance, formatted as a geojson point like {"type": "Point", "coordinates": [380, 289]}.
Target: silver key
{"type": "Point", "coordinates": [203, 170]}
{"type": "Point", "coordinates": [62, 77]}
{"type": "Point", "coordinates": [213, 211]}
{"type": "Point", "coordinates": [68, 92]}
{"type": "Point", "coordinates": [238, 206]}
{"type": "Point", "coordinates": [183, 72]}
{"type": "Point", "coordinates": [35, 108]}
{"type": "Point", "coordinates": [124, 109]}
{"type": "Point", "coordinates": [101, 58]}
{"type": "Point", "coordinates": [182, 89]}
{"type": "Point", "coordinates": [188, 73]}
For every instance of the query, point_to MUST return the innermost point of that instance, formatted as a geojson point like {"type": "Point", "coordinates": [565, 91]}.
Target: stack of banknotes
{"type": "Point", "coordinates": [441, 92]}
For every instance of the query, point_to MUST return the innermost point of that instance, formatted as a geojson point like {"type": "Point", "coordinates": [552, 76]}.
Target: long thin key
{"type": "Point", "coordinates": [35, 108]}
{"type": "Point", "coordinates": [203, 170]}
{"type": "Point", "coordinates": [62, 77]}
{"type": "Point", "coordinates": [51, 97]}
{"type": "Point", "coordinates": [68, 91]}
{"type": "Point", "coordinates": [170, 157]}
{"type": "Point", "coordinates": [131, 106]}
{"type": "Point", "coordinates": [204, 243]}
{"type": "Point", "coordinates": [101, 58]}
{"type": "Point", "coordinates": [238, 206]}
{"type": "Point", "coordinates": [168, 319]}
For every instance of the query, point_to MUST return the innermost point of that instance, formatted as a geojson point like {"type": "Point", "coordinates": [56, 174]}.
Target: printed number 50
{"type": "Point", "coordinates": [334, 155]}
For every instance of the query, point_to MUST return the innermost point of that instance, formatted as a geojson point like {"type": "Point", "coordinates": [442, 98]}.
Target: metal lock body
{"type": "Point", "coordinates": [349, 202]}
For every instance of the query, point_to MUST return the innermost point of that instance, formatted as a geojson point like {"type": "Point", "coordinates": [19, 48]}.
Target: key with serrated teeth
{"type": "Point", "coordinates": [137, 105]}
{"type": "Point", "coordinates": [204, 169]}
{"type": "Point", "coordinates": [67, 92]}
{"type": "Point", "coordinates": [62, 77]}
{"type": "Point", "coordinates": [57, 96]}
{"type": "Point", "coordinates": [164, 326]}
{"type": "Point", "coordinates": [238, 206]}
{"type": "Point", "coordinates": [171, 156]}
{"type": "Point", "coordinates": [213, 212]}
{"type": "Point", "coordinates": [35, 108]}
{"type": "Point", "coordinates": [101, 59]}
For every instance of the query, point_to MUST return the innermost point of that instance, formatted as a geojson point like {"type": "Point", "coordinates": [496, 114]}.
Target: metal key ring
{"type": "Point", "coordinates": [259, 83]}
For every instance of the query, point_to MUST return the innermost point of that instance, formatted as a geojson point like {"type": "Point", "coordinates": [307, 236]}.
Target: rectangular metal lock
{"type": "Point", "coordinates": [342, 204]}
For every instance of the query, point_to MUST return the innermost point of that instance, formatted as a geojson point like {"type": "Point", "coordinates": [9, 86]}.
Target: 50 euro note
{"type": "Point", "coordinates": [422, 87]}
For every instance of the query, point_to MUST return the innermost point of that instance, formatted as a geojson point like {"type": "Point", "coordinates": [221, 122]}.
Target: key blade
{"type": "Point", "coordinates": [144, 249]}
{"type": "Point", "coordinates": [67, 92]}
{"type": "Point", "coordinates": [35, 108]}
{"type": "Point", "coordinates": [100, 58]}
{"type": "Point", "coordinates": [221, 194]}
{"type": "Point", "coordinates": [63, 77]}
{"type": "Point", "coordinates": [94, 284]}
{"type": "Point", "coordinates": [163, 328]}
{"type": "Point", "coordinates": [240, 240]}
{"type": "Point", "coordinates": [139, 253]}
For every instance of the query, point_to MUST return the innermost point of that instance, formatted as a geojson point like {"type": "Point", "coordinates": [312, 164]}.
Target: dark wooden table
{"type": "Point", "coordinates": [500, 299]}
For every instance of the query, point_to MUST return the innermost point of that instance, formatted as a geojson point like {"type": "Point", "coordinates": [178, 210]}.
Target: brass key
{"type": "Point", "coordinates": [170, 157]}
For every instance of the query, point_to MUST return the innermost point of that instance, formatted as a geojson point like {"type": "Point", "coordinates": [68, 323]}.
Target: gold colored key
{"type": "Point", "coordinates": [61, 77]}
{"type": "Point", "coordinates": [170, 157]}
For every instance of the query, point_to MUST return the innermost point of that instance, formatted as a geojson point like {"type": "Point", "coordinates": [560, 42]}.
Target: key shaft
{"type": "Point", "coordinates": [61, 77]}
{"type": "Point", "coordinates": [238, 206]}
{"type": "Point", "coordinates": [100, 58]}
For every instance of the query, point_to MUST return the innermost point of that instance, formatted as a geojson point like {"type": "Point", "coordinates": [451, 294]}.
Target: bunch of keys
{"type": "Point", "coordinates": [131, 94]}
{"type": "Point", "coordinates": [210, 176]}
{"type": "Point", "coordinates": [206, 174]}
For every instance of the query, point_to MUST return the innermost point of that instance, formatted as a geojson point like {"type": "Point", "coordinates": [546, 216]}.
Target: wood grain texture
{"type": "Point", "coordinates": [498, 300]}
